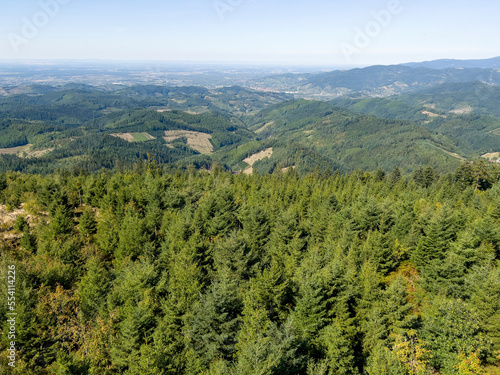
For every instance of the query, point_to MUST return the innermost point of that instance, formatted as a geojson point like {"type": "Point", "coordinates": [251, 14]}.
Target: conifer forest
{"type": "Point", "coordinates": [158, 270]}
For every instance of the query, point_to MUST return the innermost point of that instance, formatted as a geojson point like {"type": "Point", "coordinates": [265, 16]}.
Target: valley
{"type": "Point", "coordinates": [424, 122]}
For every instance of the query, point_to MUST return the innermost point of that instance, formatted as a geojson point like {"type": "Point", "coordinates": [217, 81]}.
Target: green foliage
{"type": "Point", "coordinates": [216, 320]}
{"type": "Point", "coordinates": [188, 272]}
{"type": "Point", "coordinates": [88, 225]}
{"type": "Point", "coordinates": [451, 327]}
{"type": "Point", "coordinates": [338, 340]}
{"type": "Point", "coordinates": [484, 286]}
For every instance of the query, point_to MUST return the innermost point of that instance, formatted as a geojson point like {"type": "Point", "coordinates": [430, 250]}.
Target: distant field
{"type": "Point", "coordinates": [463, 111]}
{"type": "Point", "coordinates": [14, 150]}
{"type": "Point", "coordinates": [491, 155]}
{"type": "Point", "coordinates": [134, 137]}
{"type": "Point", "coordinates": [25, 151]}
{"type": "Point", "coordinates": [432, 114]}
{"type": "Point", "coordinates": [196, 140]}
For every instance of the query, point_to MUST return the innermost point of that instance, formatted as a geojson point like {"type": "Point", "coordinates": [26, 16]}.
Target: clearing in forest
{"type": "Point", "coordinates": [264, 127]}
{"type": "Point", "coordinates": [15, 150]}
{"type": "Point", "coordinates": [196, 140]}
{"type": "Point", "coordinates": [465, 110]}
{"type": "Point", "coordinates": [256, 157]}
{"type": "Point", "coordinates": [134, 137]}
{"type": "Point", "coordinates": [25, 151]}
{"type": "Point", "coordinates": [432, 114]}
{"type": "Point", "coordinates": [491, 155]}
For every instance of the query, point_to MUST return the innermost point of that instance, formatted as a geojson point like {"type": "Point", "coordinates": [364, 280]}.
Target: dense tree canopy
{"type": "Point", "coordinates": [151, 271]}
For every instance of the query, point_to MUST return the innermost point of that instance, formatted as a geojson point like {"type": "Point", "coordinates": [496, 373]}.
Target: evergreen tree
{"type": "Point", "coordinates": [310, 311]}
{"type": "Point", "coordinates": [28, 240]}
{"type": "Point", "coordinates": [379, 175]}
{"type": "Point", "coordinates": [338, 340]}
{"type": "Point", "coordinates": [395, 175]}
{"type": "Point", "coordinates": [93, 288]}
{"type": "Point", "coordinates": [107, 233]}
{"type": "Point", "coordinates": [256, 228]}
{"type": "Point", "coordinates": [439, 234]}
{"type": "Point", "coordinates": [484, 285]}
{"type": "Point", "coordinates": [131, 236]}
{"type": "Point", "coordinates": [88, 225]}
{"type": "Point", "coordinates": [264, 347]}
{"type": "Point", "coordinates": [215, 323]}
{"type": "Point", "coordinates": [61, 222]}
{"type": "Point", "coordinates": [21, 224]}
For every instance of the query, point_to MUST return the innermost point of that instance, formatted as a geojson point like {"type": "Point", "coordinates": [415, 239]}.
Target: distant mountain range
{"type": "Point", "coordinates": [493, 63]}
{"type": "Point", "coordinates": [381, 80]}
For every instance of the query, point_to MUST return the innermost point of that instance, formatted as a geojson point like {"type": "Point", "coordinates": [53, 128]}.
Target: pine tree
{"type": "Point", "coordinates": [107, 234]}
{"type": "Point", "coordinates": [131, 236]}
{"type": "Point", "coordinates": [310, 311]}
{"type": "Point", "coordinates": [183, 288]}
{"type": "Point", "coordinates": [395, 176]}
{"type": "Point", "coordinates": [380, 175]}
{"type": "Point", "coordinates": [28, 240]}
{"type": "Point", "coordinates": [256, 227]}
{"type": "Point", "coordinates": [133, 298]}
{"type": "Point", "coordinates": [215, 323]}
{"type": "Point", "coordinates": [439, 234]}
{"type": "Point", "coordinates": [21, 224]}
{"type": "Point", "coordinates": [338, 340]}
{"type": "Point", "coordinates": [219, 213]}
{"type": "Point", "coordinates": [61, 222]}
{"type": "Point", "coordinates": [484, 285]}
{"type": "Point", "coordinates": [88, 225]}
{"type": "Point", "coordinates": [449, 328]}
{"type": "Point", "coordinates": [264, 347]}
{"type": "Point", "coordinates": [93, 288]}
{"type": "Point", "coordinates": [3, 182]}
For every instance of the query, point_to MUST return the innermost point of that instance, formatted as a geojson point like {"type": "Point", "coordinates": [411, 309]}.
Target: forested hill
{"type": "Point", "coordinates": [353, 141]}
{"type": "Point", "coordinates": [150, 272]}
{"type": "Point", "coordinates": [374, 81]}
{"type": "Point", "coordinates": [83, 128]}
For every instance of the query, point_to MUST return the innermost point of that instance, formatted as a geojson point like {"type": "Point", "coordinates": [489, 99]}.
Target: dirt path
{"type": "Point", "coordinates": [456, 156]}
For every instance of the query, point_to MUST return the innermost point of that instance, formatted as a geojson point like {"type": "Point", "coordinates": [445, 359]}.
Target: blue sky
{"type": "Point", "coordinates": [289, 32]}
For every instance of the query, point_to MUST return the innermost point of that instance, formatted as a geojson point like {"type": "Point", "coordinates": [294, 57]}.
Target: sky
{"type": "Point", "coordinates": [279, 32]}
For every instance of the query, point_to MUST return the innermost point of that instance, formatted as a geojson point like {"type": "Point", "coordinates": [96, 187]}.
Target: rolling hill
{"type": "Point", "coordinates": [78, 126]}
{"type": "Point", "coordinates": [351, 141]}
{"type": "Point", "coordinates": [374, 81]}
